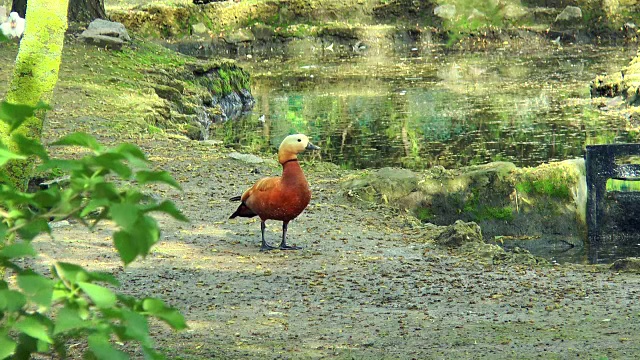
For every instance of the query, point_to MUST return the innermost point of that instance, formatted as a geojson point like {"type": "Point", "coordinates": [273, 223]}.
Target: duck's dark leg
{"type": "Point", "coordinates": [283, 244]}
{"type": "Point", "coordinates": [265, 246]}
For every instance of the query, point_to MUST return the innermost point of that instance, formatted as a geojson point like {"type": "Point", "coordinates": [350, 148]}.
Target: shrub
{"type": "Point", "coordinates": [39, 313]}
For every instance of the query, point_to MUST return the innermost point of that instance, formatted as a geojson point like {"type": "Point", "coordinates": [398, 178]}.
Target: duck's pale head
{"type": "Point", "coordinates": [292, 145]}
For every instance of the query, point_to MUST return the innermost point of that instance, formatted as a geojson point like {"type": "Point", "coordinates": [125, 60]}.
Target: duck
{"type": "Point", "coordinates": [280, 198]}
{"type": "Point", "coordinates": [13, 27]}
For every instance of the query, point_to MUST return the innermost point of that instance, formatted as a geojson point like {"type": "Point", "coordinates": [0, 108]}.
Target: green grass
{"type": "Point", "coordinates": [552, 186]}
{"type": "Point", "coordinates": [622, 185]}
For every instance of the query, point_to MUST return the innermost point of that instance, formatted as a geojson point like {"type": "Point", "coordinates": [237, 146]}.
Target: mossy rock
{"type": "Point", "coordinates": [503, 199]}
{"type": "Point", "coordinates": [459, 234]}
{"type": "Point", "coordinates": [167, 92]}
{"type": "Point", "coordinates": [629, 265]}
{"type": "Point", "coordinates": [239, 36]}
{"type": "Point", "coordinates": [386, 185]}
{"type": "Point", "coordinates": [263, 32]}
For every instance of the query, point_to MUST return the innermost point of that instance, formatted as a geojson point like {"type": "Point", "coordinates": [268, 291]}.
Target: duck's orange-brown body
{"type": "Point", "coordinates": [280, 198]}
{"type": "Point", "coordinates": [277, 198]}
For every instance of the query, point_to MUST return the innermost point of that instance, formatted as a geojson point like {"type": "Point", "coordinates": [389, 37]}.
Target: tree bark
{"type": "Point", "coordinates": [34, 77]}
{"type": "Point", "coordinates": [86, 10]}
{"type": "Point", "coordinates": [79, 10]}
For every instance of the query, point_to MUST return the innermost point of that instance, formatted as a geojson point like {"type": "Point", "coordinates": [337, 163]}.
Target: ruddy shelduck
{"type": "Point", "coordinates": [280, 198]}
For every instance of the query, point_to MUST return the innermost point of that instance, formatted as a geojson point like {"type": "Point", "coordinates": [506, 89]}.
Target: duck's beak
{"type": "Point", "coordinates": [310, 146]}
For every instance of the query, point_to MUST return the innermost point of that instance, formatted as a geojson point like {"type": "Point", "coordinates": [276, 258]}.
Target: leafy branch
{"type": "Point", "coordinates": [38, 313]}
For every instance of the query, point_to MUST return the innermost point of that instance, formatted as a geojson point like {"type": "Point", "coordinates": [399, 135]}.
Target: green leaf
{"type": "Point", "coordinates": [11, 300]}
{"type": "Point", "coordinates": [169, 315]}
{"type": "Point", "coordinates": [125, 246]}
{"type": "Point", "coordinates": [26, 347]}
{"type": "Point", "coordinates": [60, 164]}
{"type": "Point", "coordinates": [7, 347]}
{"type": "Point", "coordinates": [4, 228]}
{"type": "Point", "coordinates": [150, 353]}
{"type": "Point", "coordinates": [6, 155]}
{"type": "Point", "coordinates": [136, 327]}
{"type": "Point", "coordinates": [34, 228]}
{"type": "Point", "coordinates": [11, 195]}
{"type": "Point", "coordinates": [47, 198]}
{"type": "Point", "coordinates": [37, 287]}
{"type": "Point", "coordinates": [145, 233]}
{"type": "Point", "coordinates": [145, 177]}
{"type": "Point", "coordinates": [131, 152]}
{"type": "Point", "coordinates": [106, 191]}
{"type": "Point", "coordinates": [168, 207]}
{"type": "Point", "coordinates": [71, 272]}
{"type": "Point", "coordinates": [20, 249]}
{"type": "Point", "coordinates": [173, 318]}
{"type": "Point", "coordinates": [29, 146]}
{"type": "Point", "coordinates": [100, 295]}
{"type": "Point", "coordinates": [114, 162]}
{"type": "Point", "coordinates": [93, 205]}
{"type": "Point", "coordinates": [104, 277]}
{"type": "Point", "coordinates": [102, 349]}
{"type": "Point", "coordinates": [125, 215]}
{"type": "Point", "coordinates": [34, 328]}
{"type": "Point", "coordinates": [79, 139]}
{"type": "Point", "coordinates": [15, 114]}
{"type": "Point", "coordinates": [153, 305]}
{"type": "Point", "coordinates": [68, 319]}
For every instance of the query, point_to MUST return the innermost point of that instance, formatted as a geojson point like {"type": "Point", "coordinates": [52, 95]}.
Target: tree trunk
{"type": "Point", "coordinates": [79, 10]}
{"type": "Point", "coordinates": [34, 77]}
{"type": "Point", "coordinates": [19, 6]}
{"type": "Point", "coordinates": [86, 10]}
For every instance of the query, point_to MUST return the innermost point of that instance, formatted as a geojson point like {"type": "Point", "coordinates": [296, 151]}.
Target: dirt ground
{"type": "Point", "coordinates": [369, 283]}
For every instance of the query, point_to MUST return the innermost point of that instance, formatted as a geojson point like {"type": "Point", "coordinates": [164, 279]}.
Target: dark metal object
{"type": "Point", "coordinates": [600, 163]}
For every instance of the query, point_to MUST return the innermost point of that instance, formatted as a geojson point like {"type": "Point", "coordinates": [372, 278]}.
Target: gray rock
{"type": "Point", "coordinates": [459, 234]}
{"type": "Point", "coordinates": [445, 11]}
{"type": "Point", "coordinates": [477, 15]}
{"type": "Point", "coordinates": [262, 32]}
{"type": "Point", "coordinates": [569, 13]}
{"type": "Point", "coordinates": [514, 12]}
{"type": "Point", "coordinates": [105, 33]}
{"type": "Point", "coordinates": [199, 29]}
{"type": "Point", "coordinates": [239, 36]}
{"type": "Point", "coordinates": [630, 265]}
{"type": "Point", "coordinates": [59, 224]}
{"type": "Point", "coordinates": [167, 92]}
{"type": "Point", "coordinates": [248, 158]}
{"type": "Point", "coordinates": [386, 184]}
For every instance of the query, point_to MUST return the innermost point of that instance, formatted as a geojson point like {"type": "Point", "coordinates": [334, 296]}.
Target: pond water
{"type": "Point", "coordinates": [433, 108]}
{"type": "Point", "coordinates": [417, 110]}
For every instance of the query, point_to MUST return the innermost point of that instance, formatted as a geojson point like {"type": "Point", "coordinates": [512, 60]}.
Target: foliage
{"type": "Point", "coordinates": [492, 212]}
{"type": "Point", "coordinates": [472, 16]}
{"type": "Point", "coordinates": [554, 185]}
{"type": "Point", "coordinates": [424, 214]}
{"type": "Point", "coordinates": [39, 313]}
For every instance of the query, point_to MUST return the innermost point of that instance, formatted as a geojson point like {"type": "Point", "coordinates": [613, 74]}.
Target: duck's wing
{"type": "Point", "coordinates": [262, 185]}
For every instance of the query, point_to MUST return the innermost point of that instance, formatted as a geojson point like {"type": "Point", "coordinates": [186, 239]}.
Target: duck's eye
{"type": "Point", "coordinates": [299, 140]}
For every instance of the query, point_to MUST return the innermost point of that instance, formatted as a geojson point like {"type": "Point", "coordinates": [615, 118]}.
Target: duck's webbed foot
{"type": "Point", "coordinates": [283, 244]}
{"type": "Point", "coordinates": [267, 247]}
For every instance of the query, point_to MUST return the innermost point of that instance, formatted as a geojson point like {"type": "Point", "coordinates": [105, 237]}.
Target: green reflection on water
{"type": "Point", "coordinates": [451, 109]}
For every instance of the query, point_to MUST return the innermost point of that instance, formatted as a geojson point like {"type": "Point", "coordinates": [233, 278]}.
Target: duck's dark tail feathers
{"type": "Point", "coordinates": [242, 210]}
{"type": "Point", "coordinates": [236, 198]}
